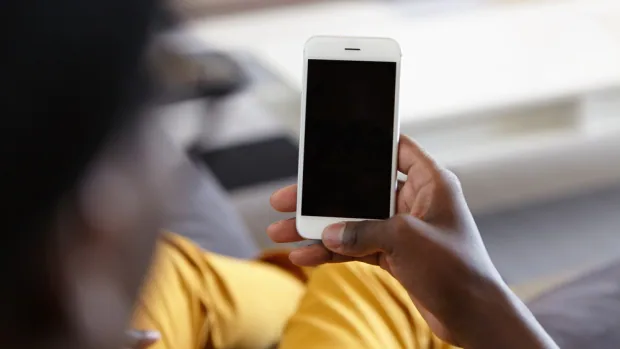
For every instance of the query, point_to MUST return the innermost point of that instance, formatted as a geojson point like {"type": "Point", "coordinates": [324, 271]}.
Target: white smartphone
{"type": "Point", "coordinates": [349, 132]}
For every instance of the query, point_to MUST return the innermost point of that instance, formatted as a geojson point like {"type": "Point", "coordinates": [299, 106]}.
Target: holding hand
{"type": "Point", "coordinates": [432, 247]}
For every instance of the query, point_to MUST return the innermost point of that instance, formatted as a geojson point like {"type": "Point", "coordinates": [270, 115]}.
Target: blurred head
{"type": "Point", "coordinates": [83, 175]}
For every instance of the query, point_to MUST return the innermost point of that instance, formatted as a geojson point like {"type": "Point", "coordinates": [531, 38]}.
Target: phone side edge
{"type": "Point", "coordinates": [301, 229]}
{"type": "Point", "coordinates": [396, 139]}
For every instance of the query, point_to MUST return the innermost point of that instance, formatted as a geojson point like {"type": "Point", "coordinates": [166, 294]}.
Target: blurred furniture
{"type": "Point", "coordinates": [521, 101]}
{"type": "Point", "coordinates": [201, 210]}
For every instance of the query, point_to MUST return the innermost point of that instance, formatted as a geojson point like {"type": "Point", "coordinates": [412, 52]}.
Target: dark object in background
{"type": "Point", "coordinates": [166, 18]}
{"type": "Point", "coordinates": [253, 163]}
{"type": "Point", "coordinates": [188, 67]}
{"type": "Point", "coordinates": [207, 74]}
{"type": "Point", "coordinates": [219, 76]}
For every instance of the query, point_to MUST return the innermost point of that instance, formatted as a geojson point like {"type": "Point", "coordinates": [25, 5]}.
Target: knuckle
{"type": "Point", "coordinates": [399, 223]}
{"type": "Point", "coordinates": [399, 232]}
{"type": "Point", "coordinates": [451, 180]}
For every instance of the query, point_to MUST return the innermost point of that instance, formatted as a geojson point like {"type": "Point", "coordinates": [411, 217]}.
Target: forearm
{"type": "Point", "coordinates": [501, 320]}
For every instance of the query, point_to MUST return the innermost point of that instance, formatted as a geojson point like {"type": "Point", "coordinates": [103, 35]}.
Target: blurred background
{"type": "Point", "coordinates": [520, 98]}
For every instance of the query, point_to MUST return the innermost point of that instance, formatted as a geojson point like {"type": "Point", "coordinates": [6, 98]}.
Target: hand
{"type": "Point", "coordinates": [432, 247]}
{"type": "Point", "coordinates": [422, 246]}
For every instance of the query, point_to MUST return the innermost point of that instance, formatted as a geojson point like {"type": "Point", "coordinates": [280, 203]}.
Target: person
{"type": "Point", "coordinates": [86, 176]}
{"type": "Point", "coordinates": [82, 214]}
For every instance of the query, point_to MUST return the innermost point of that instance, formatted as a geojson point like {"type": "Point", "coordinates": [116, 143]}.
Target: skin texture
{"type": "Point", "coordinates": [433, 248]}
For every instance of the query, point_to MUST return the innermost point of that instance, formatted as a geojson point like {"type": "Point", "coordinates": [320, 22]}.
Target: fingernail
{"type": "Point", "coordinates": [332, 235]}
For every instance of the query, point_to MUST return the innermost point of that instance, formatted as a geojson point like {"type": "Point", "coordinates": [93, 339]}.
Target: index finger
{"type": "Point", "coordinates": [410, 154]}
{"type": "Point", "coordinates": [285, 199]}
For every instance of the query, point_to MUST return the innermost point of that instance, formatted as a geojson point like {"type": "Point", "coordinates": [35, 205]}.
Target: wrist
{"type": "Point", "coordinates": [494, 317]}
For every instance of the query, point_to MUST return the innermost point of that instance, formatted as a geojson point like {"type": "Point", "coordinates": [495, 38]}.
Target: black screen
{"type": "Point", "coordinates": [348, 143]}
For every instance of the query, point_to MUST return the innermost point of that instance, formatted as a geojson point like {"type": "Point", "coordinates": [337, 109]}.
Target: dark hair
{"type": "Point", "coordinates": [71, 74]}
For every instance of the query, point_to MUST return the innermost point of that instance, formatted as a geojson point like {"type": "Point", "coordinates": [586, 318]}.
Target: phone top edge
{"type": "Point", "coordinates": [354, 59]}
{"type": "Point", "coordinates": [322, 42]}
{"type": "Point", "coordinates": [346, 37]}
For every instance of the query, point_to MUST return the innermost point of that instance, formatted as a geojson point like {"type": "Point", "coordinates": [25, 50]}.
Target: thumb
{"type": "Point", "coordinates": [359, 239]}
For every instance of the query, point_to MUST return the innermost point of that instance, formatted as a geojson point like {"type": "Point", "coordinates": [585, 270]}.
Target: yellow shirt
{"type": "Point", "coordinates": [198, 300]}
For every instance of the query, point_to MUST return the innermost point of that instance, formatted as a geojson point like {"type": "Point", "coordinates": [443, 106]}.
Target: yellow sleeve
{"type": "Point", "coordinates": [201, 300]}
{"type": "Point", "coordinates": [355, 305]}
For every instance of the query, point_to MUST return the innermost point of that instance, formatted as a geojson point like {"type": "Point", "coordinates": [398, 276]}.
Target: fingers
{"type": "Point", "coordinates": [405, 198]}
{"type": "Point", "coordinates": [367, 238]}
{"type": "Point", "coordinates": [284, 231]}
{"type": "Point", "coordinates": [430, 189]}
{"type": "Point", "coordinates": [400, 184]}
{"type": "Point", "coordinates": [285, 199]}
{"type": "Point", "coordinates": [410, 155]}
{"type": "Point", "coordinates": [310, 256]}
{"type": "Point", "coordinates": [317, 254]}
{"type": "Point", "coordinates": [366, 241]}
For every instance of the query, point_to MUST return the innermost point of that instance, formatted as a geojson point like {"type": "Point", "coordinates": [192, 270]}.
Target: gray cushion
{"type": "Point", "coordinates": [584, 313]}
{"type": "Point", "coordinates": [204, 214]}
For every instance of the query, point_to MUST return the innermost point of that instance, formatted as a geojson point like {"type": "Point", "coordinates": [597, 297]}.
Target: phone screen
{"type": "Point", "coordinates": [348, 139]}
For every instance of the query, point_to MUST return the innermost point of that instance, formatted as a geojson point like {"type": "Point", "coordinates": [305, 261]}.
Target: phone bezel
{"type": "Point", "coordinates": [359, 49]}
